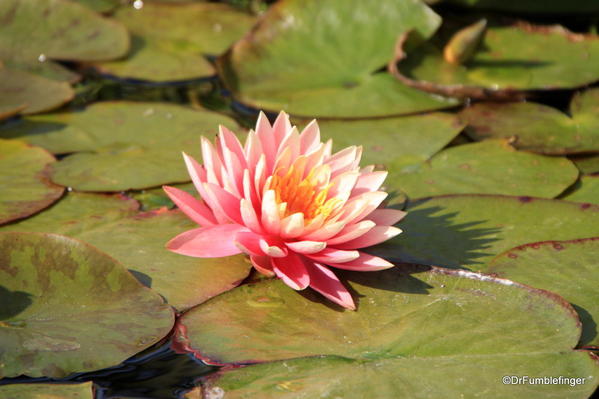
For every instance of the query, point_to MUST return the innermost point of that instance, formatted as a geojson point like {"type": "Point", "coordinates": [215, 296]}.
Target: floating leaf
{"type": "Point", "coordinates": [64, 31]}
{"type": "Point", "coordinates": [30, 94]}
{"type": "Point", "coordinates": [464, 43]}
{"type": "Point", "coordinates": [169, 41]}
{"type": "Point", "coordinates": [568, 268]}
{"type": "Point", "coordinates": [138, 241]}
{"type": "Point", "coordinates": [100, 5]}
{"type": "Point", "coordinates": [125, 145]}
{"type": "Point", "coordinates": [47, 391]}
{"type": "Point", "coordinates": [406, 139]}
{"type": "Point", "coordinates": [156, 198]}
{"type": "Point", "coordinates": [538, 127]}
{"type": "Point", "coordinates": [470, 230]}
{"type": "Point", "coordinates": [415, 332]}
{"type": "Point", "coordinates": [489, 167]}
{"type": "Point", "coordinates": [585, 190]}
{"type": "Point", "coordinates": [587, 164]}
{"type": "Point", "coordinates": [322, 59]}
{"type": "Point", "coordinates": [532, 6]}
{"type": "Point", "coordinates": [510, 58]}
{"type": "Point", "coordinates": [70, 308]}
{"type": "Point", "coordinates": [24, 186]}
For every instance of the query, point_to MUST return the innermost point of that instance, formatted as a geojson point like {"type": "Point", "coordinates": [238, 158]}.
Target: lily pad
{"type": "Point", "coordinates": [537, 127]}
{"type": "Point", "coordinates": [587, 164]}
{"type": "Point", "coordinates": [138, 241]}
{"type": "Point", "coordinates": [118, 140]}
{"type": "Point", "coordinates": [71, 308]}
{"type": "Point", "coordinates": [29, 94]}
{"type": "Point", "coordinates": [406, 139]}
{"type": "Point", "coordinates": [415, 333]}
{"type": "Point", "coordinates": [24, 186]}
{"type": "Point", "coordinates": [489, 167]}
{"type": "Point", "coordinates": [568, 268]}
{"type": "Point", "coordinates": [314, 58]}
{"type": "Point", "coordinates": [47, 391]}
{"type": "Point", "coordinates": [585, 190]}
{"type": "Point", "coordinates": [169, 41]}
{"type": "Point", "coordinates": [64, 31]}
{"type": "Point", "coordinates": [533, 6]}
{"type": "Point", "coordinates": [510, 58]}
{"type": "Point", "coordinates": [100, 5]}
{"type": "Point", "coordinates": [469, 230]}
{"type": "Point", "coordinates": [156, 198]}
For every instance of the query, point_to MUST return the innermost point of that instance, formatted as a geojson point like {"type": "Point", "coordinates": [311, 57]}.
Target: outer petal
{"type": "Point", "coordinates": [306, 247]}
{"type": "Point", "coordinates": [375, 236]}
{"type": "Point", "coordinates": [334, 255]}
{"type": "Point", "coordinates": [368, 182]}
{"type": "Point", "coordinates": [324, 281]}
{"type": "Point", "coordinates": [223, 200]}
{"type": "Point", "coordinates": [249, 243]}
{"type": "Point", "coordinates": [192, 207]}
{"type": "Point", "coordinates": [207, 242]}
{"type": "Point", "coordinates": [292, 270]}
{"type": "Point", "coordinates": [364, 263]}
{"type": "Point", "coordinates": [310, 137]}
{"type": "Point", "coordinates": [386, 216]}
{"type": "Point", "coordinates": [262, 264]}
{"type": "Point", "coordinates": [351, 232]}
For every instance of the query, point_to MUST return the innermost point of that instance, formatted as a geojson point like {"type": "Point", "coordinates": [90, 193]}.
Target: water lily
{"type": "Point", "coordinates": [290, 204]}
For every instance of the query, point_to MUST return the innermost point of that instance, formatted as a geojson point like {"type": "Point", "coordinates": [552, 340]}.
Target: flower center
{"type": "Point", "coordinates": [306, 195]}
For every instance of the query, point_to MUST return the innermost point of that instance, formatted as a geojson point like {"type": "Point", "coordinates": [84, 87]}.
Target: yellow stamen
{"type": "Point", "coordinates": [306, 195]}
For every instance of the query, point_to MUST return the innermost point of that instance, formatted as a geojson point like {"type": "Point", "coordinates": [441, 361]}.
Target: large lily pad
{"type": "Point", "coordinates": [415, 334]}
{"type": "Point", "coordinates": [24, 185]}
{"type": "Point", "coordinates": [68, 307]}
{"type": "Point", "coordinates": [321, 58]}
{"type": "Point", "coordinates": [585, 190]}
{"type": "Point", "coordinates": [125, 145]}
{"type": "Point", "coordinates": [47, 391]}
{"type": "Point", "coordinates": [64, 31]}
{"type": "Point", "coordinates": [587, 164]}
{"type": "Point", "coordinates": [169, 41]}
{"type": "Point", "coordinates": [138, 241]}
{"type": "Point", "coordinates": [537, 127]}
{"type": "Point", "coordinates": [406, 139]}
{"type": "Point", "coordinates": [490, 167]}
{"type": "Point", "coordinates": [469, 230]}
{"type": "Point", "coordinates": [29, 94]}
{"type": "Point", "coordinates": [568, 268]}
{"type": "Point", "coordinates": [512, 57]}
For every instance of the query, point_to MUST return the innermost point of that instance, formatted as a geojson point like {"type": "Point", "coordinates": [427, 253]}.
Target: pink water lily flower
{"type": "Point", "coordinates": [290, 204]}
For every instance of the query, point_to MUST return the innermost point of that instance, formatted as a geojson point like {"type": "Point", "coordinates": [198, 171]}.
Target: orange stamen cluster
{"type": "Point", "coordinates": [307, 194]}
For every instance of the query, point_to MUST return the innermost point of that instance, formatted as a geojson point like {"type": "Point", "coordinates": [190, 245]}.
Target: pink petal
{"type": "Point", "coordinates": [249, 217]}
{"type": "Point", "coordinates": [292, 270]}
{"type": "Point", "coordinates": [310, 137]}
{"type": "Point", "coordinates": [361, 206]}
{"type": "Point", "coordinates": [212, 162]}
{"type": "Point", "coordinates": [364, 263]}
{"type": "Point", "coordinates": [325, 232]}
{"type": "Point", "coordinates": [291, 142]}
{"type": "Point", "coordinates": [270, 213]}
{"type": "Point", "coordinates": [195, 171]}
{"type": "Point", "coordinates": [343, 160]}
{"type": "Point", "coordinates": [223, 200]}
{"type": "Point", "coordinates": [249, 243]}
{"type": "Point", "coordinates": [262, 264]}
{"type": "Point", "coordinates": [292, 226]}
{"type": "Point", "coordinates": [306, 247]}
{"type": "Point", "coordinates": [343, 184]}
{"type": "Point", "coordinates": [228, 139]}
{"type": "Point", "coordinates": [386, 216]}
{"type": "Point", "coordinates": [351, 232]}
{"type": "Point", "coordinates": [369, 182]}
{"type": "Point", "coordinates": [267, 140]}
{"type": "Point", "coordinates": [253, 149]}
{"type": "Point", "coordinates": [192, 207]}
{"type": "Point", "coordinates": [207, 242]}
{"type": "Point", "coordinates": [324, 281]}
{"type": "Point", "coordinates": [375, 236]}
{"type": "Point", "coordinates": [281, 128]}
{"type": "Point", "coordinates": [271, 249]}
{"type": "Point", "coordinates": [334, 255]}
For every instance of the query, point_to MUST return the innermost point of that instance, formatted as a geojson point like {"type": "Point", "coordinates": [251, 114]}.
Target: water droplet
{"type": "Point", "coordinates": [42, 58]}
{"type": "Point", "coordinates": [442, 285]}
{"type": "Point", "coordinates": [138, 4]}
{"type": "Point", "coordinates": [69, 189]}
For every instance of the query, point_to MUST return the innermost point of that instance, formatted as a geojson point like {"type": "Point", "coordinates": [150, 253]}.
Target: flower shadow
{"type": "Point", "coordinates": [13, 302]}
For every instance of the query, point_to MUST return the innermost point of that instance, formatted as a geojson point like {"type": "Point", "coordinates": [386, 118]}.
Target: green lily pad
{"type": "Point", "coordinates": [406, 139]}
{"type": "Point", "coordinates": [585, 190]}
{"type": "Point", "coordinates": [319, 59]}
{"type": "Point", "coordinates": [156, 198]}
{"type": "Point", "coordinates": [29, 94]}
{"type": "Point", "coordinates": [489, 167]}
{"type": "Point", "coordinates": [587, 164]}
{"type": "Point", "coordinates": [47, 391]}
{"type": "Point", "coordinates": [71, 308]}
{"type": "Point", "coordinates": [537, 127]}
{"type": "Point", "coordinates": [24, 185]}
{"type": "Point", "coordinates": [510, 58]}
{"type": "Point", "coordinates": [138, 241]}
{"type": "Point", "coordinates": [100, 5]}
{"type": "Point", "coordinates": [64, 31]}
{"type": "Point", "coordinates": [568, 268]}
{"type": "Point", "coordinates": [169, 41]}
{"type": "Point", "coordinates": [469, 230]}
{"type": "Point", "coordinates": [415, 333]}
{"type": "Point", "coordinates": [120, 139]}
{"type": "Point", "coordinates": [533, 6]}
